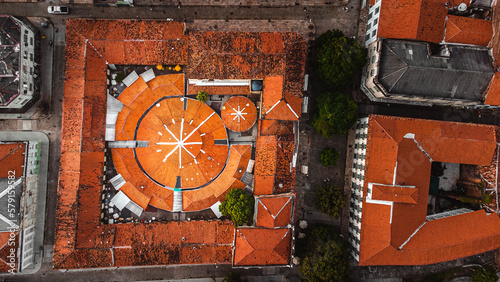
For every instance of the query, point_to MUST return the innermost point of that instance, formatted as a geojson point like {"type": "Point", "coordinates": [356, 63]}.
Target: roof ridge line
{"type": "Point", "coordinates": [446, 28]}
{"type": "Point", "coordinates": [245, 238]}
{"type": "Point", "coordinates": [399, 78]}
{"type": "Point", "coordinates": [386, 132]}
{"type": "Point", "coordinates": [414, 232]}
{"type": "Point", "coordinates": [286, 234]}
{"type": "Point", "coordinates": [95, 49]}
{"type": "Point", "coordinates": [11, 152]}
{"type": "Point", "coordinates": [390, 49]}
{"type": "Point", "coordinates": [205, 53]}
{"type": "Point", "coordinates": [283, 207]}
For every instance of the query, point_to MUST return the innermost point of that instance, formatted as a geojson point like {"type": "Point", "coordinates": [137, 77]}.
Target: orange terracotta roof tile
{"type": "Point", "coordinates": [205, 197]}
{"type": "Point", "coordinates": [265, 155]}
{"type": "Point", "coordinates": [493, 92]}
{"type": "Point", "coordinates": [399, 194]}
{"type": "Point", "coordinates": [239, 114]}
{"type": "Point", "coordinates": [406, 146]}
{"type": "Point", "coordinates": [272, 92]}
{"type": "Point", "coordinates": [12, 159]}
{"type": "Point", "coordinates": [465, 30]}
{"type": "Point", "coordinates": [264, 185]}
{"type": "Point", "coordinates": [6, 244]}
{"type": "Point", "coordinates": [422, 20]}
{"type": "Point", "coordinates": [261, 246]}
{"type": "Point", "coordinates": [80, 240]}
{"type": "Point", "coordinates": [282, 111]}
{"type": "Point", "coordinates": [274, 211]}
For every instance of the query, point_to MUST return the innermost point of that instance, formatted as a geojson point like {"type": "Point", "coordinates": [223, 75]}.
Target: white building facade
{"type": "Point", "coordinates": [357, 183]}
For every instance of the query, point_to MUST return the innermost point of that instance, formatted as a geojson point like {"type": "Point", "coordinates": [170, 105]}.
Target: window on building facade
{"type": "Point", "coordinates": [374, 32]}
{"type": "Point", "coordinates": [377, 10]}
{"type": "Point", "coordinates": [374, 58]}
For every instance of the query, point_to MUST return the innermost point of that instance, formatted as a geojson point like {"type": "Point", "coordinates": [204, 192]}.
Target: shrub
{"type": "Point", "coordinates": [329, 157]}
{"type": "Point", "coordinates": [202, 96]}
{"type": "Point", "coordinates": [330, 200]}
{"type": "Point", "coordinates": [336, 114]}
{"type": "Point", "coordinates": [338, 59]}
{"type": "Point", "coordinates": [328, 262]}
{"type": "Point", "coordinates": [239, 206]}
{"type": "Point", "coordinates": [120, 77]}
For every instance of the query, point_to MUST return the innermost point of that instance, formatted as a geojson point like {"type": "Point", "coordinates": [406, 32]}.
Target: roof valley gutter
{"type": "Point", "coordinates": [401, 247]}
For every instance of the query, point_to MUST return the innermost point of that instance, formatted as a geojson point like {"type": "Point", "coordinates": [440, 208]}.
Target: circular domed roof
{"type": "Point", "coordinates": [187, 143]}
{"type": "Point", "coordinates": [239, 114]}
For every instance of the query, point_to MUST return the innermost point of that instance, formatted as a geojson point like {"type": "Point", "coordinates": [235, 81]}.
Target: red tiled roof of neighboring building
{"type": "Point", "coordinates": [422, 20]}
{"type": "Point", "coordinates": [406, 147]}
{"type": "Point", "coordinates": [12, 159]}
{"type": "Point", "coordinates": [465, 30]}
{"type": "Point", "coordinates": [493, 91]}
{"type": "Point", "coordinates": [6, 244]}
{"type": "Point", "coordinates": [262, 246]}
{"type": "Point", "coordinates": [274, 211]}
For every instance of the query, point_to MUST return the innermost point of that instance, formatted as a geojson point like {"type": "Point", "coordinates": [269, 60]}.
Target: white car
{"type": "Point", "coordinates": [58, 10]}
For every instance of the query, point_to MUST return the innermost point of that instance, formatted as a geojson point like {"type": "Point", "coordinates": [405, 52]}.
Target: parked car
{"type": "Point", "coordinates": [58, 10]}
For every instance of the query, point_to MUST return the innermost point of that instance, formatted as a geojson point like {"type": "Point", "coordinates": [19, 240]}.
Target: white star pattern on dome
{"type": "Point", "coordinates": [180, 143]}
{"type": "Point", "coordinates": [238, 114]}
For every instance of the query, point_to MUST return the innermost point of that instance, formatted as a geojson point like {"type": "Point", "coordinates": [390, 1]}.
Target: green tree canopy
{"type": "Point", "coordinates": [328, 262]}
{"type": "Point", "coordinates": [239, 206]}
{"type": "Point", "coordinates": [338, 59]}
{"type": "Point", "coordinates": [202, 96]}
{"type": "Point", "coordinates": [330, 200]}
{"type": "Point", "coordinates": [336, 113]}
{"type": "Point", "coordinates": [329, 157]}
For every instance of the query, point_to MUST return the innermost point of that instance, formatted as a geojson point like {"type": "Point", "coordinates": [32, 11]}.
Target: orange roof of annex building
{"type": "Point", "coordinates": [270, 241]}
{"type": "Point", "coordinates": [428, 20]}
{"type": "Point", "coordinates": [394, 228]}
{"type": "Point", "coordinates": [81, 240]}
